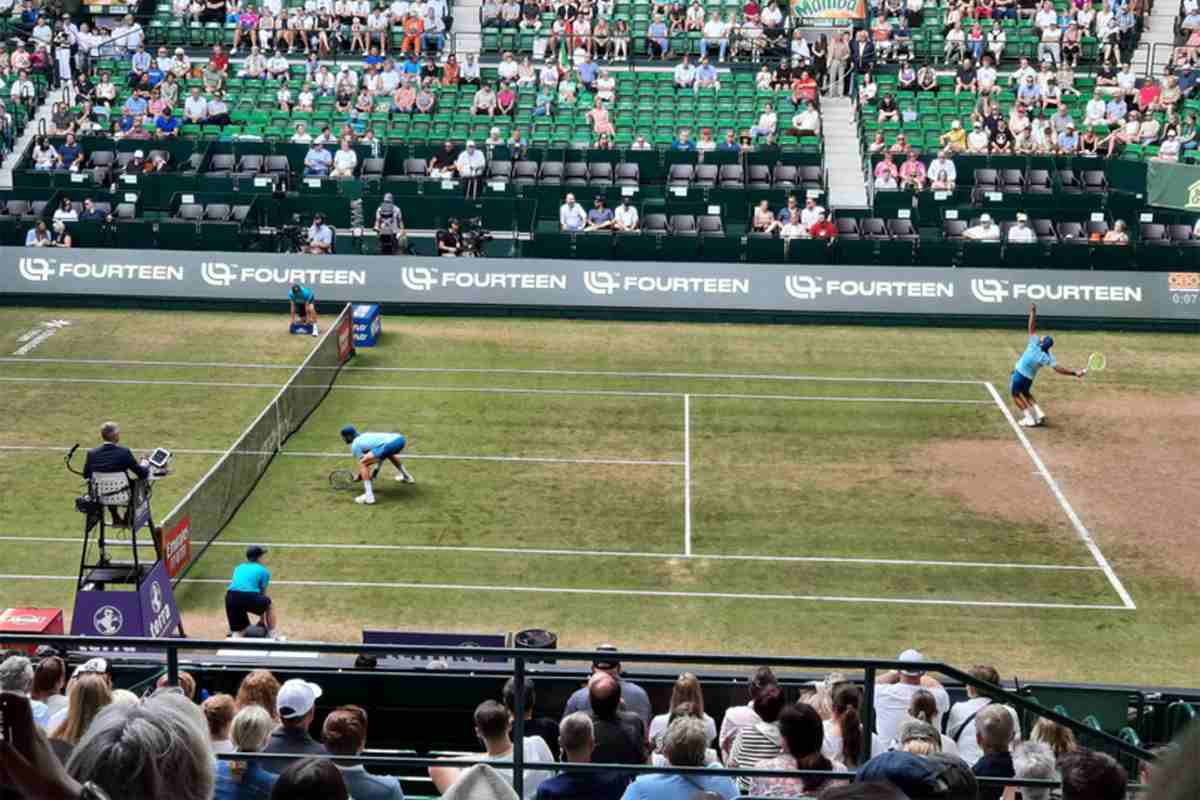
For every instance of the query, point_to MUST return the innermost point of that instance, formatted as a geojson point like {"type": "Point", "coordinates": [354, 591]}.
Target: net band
{"type": "Point", "coordinates": [198, 519]}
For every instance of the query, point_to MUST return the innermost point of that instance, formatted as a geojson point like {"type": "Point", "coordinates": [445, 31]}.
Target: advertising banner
{"type": "Point", "coordinates": [177, 547]}
{"type": "Point", "coordinates": [829, 9]}
{"type": "Point", "coordinates": [671, 286]}
{"type": "Point", "coordinates": [1173, 185]}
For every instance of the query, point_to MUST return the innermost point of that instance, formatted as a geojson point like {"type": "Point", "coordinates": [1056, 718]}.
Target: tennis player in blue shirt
{"type": "Point", "coordinates": [371, 449]}
{"type": "Point", "coordinates": [304, 301]}
{"type": "Point", "coordinates": [1037, 355]}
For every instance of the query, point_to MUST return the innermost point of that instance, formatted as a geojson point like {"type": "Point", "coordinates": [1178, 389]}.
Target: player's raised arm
{"type": "Point", "coordinates": [1032, 318]}
{"type": "Point", "coordinates": [1077, 373]}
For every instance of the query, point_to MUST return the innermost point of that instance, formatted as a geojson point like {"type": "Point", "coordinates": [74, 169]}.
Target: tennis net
{"type": "Point", "coordinates": [198, 519]}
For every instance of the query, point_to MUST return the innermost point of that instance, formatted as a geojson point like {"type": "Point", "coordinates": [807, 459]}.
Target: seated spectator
{"type": "Point", "coordinates": [823, 228]}
{"type": "Point", "coordinates": [571, 217]}
{"type": "Point", "coordinates": [760, 740]}
{"type": "Point", "coordinates": [70, 155]}
{"type": "Point", "coordinates": [493, 726]}
{"type": "Point", "coordinates": [993, 725]}
{"type": "Point", "coordinates": [706, 76]}
{"type": "Point", "coordinates": [1118, 234]}
{"type": "Point", "coordinates": [246, 780]}
{"type": "Point", "coordinates": [767, 123]}
{"type": "Point", "coordinates": [633, 696]}
{"type": "Point", "coordinates": [683, 141]}
{"type": "Point", "coordinates": [887, 174]}
{"type": "Point", "coordinates": [954, 140]}
{"type": "Point", "coordinates": [345, 734]}
{"type": "Point", "coordinates": [686, 690]}
{"type": "Point", "coordinates": [219, 711]}
{"type": "Point", "coordinates": [296, 706]}
{"type": "Point", "coordinates": [625, 217]}
{"type": "Point", "coordinates": [218, 110]}
{"type": "Point", "coordinates": [50, 676]}
{"type": "Point", "coordinates": [484, 101]}
{"type": "Point", "coordinates": [657, 43]}
{"type": "Point", "coordinates": [506, 100]}
{"type": "Point", "coordinates": [1091, 775]}
{"type": "Point", "coordinates": [794, 228]}
{"type": "Point", "coordinates": [684, 745]}
{"type": "Point", "coordinates": [311, 779]}
{"type": "Point", "coordinates": [39, 236]}
{"type": "Point", "coordinates": [912, 173]}
{"type": "Point", "coordinates": [968, 747]}
{"type": "Point", "coordinates": [894, 690]}
{"type": "Point", "coordinates": [599, 218]}
{"type": "Point", "coordinates": [195, 108]}
{"type": "Point", "coordinates": [764, 221]}
{"type": "Point", "coordinates": [317, 161]}
{"type": "Point", "coordinates": [706, 143]}
{"type": "Point", "coordinates": [978, 140]}
{"type": "Point", "coordinates": [444, 162]}
{"type": "Point", "coordinates": [737, 718]}
{"type": "Point", "coordinates": [802, 734]}
{"type": "Point", "coordinates": [684, 75]}
{"type": "Point", "coordinates": [17, 677]}
{"type": "Point", "coordinates": [59, 237]}
{"type": "Point", "coordinates": [167, 124]}
{"type": "Point", "coordinates": [1034, 761]}
{"type": "Point", "coordinates": [45, 157]}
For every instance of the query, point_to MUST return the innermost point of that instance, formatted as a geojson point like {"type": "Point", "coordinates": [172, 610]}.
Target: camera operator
{"type": "Point", "coordinates": [471, 164]}
{"type": "Point", "coordinates": [389, 224]}
{"type": "Point", "coordinates": [112, 457]}
{"type": "Point", "coordinates": [320, 236]}
{"type": "Point", "coordinates": [449, 241]}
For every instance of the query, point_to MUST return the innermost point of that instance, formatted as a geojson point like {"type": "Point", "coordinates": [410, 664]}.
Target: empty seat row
{"type": "Point", "coordinates": [213, 212]}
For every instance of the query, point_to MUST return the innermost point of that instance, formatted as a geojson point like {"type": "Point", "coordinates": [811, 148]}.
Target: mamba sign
{"type": "Point", "coordinates": [829, 9]}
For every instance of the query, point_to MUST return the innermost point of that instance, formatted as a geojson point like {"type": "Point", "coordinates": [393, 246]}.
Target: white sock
{"type": "Point", "coordinates": [367, 489]}
{"type": "Point", "coordinates": [1037, 411]}
{"type": "Point", "coordinates": [404, 472]}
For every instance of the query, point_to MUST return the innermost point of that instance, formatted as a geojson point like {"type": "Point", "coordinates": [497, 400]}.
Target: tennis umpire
{"type": "Point", "coordinates": [247, 594]}
{"type": "Point", "coordinates": [113, 457]}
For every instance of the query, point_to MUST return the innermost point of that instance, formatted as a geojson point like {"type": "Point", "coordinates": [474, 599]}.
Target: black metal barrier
{"type": "Point", "coordinates": [520, 659]}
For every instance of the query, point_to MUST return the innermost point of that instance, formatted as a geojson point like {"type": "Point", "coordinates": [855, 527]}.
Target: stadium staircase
{"type": "Point", "coordinates": [468, 37]}
{"type": "Point", "coordinates": [1157, 39]}
{"type": "Point", "coordinates": [843, 155]}
{"type": "Point", "coordinates": [39, 124]}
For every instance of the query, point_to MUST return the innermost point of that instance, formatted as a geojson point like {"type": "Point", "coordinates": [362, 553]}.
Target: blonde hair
{"type": "Point", "coordinates": [251, 729]}
{"type": "Point", "coordinates": [1060, 738]}
{"type": "Point", "coordinates": [687, 690]}
{"type": "Point", "coordinates": [920, 747]}
{"type": "Point", "coordinates": [88, 695]}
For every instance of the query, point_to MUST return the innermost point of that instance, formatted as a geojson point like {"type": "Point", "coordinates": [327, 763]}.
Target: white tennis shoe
{"type": "Point", "coordinates": [365, 499]}
{"type": "Point", "coordinates": [1026, 422]}
{"type": "Point", "coordinates": [404, 477]}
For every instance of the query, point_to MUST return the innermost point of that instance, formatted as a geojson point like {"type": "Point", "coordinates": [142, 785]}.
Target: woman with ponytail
{"type": "Point", "coordinates": [923, 708]}
{"type": "Point", "coordinates": [802, 732]}
{"type": "Point", "coordinates": [844, 732]}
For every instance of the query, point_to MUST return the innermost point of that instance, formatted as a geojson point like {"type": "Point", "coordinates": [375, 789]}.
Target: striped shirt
{"type": "Point", "coordinates": [753, 745]}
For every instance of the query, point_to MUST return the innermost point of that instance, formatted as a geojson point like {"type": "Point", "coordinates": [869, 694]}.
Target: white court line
{"type": "Point", "coordinates": [500, 390]}
{"type": "Point", "coordinates": [1084, 535]}
{"type": "Point", "coordinates": [499, 371]}
{"type": "Point", "coordinates": [628, 593]}
{"type": "Point", "coordinates": [434, 548]}
{"type": "Point", "coordinates": [621, 462]}
{"type": "Point", "coordinates": [687, 475]}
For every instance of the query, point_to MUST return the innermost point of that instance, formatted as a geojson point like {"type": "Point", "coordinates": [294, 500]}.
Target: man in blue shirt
{"type": "Point", "coordinates": [1036, 355]}
{"type": "Point", "coordinates": [317, 160]}
{"type": "Point", "coordinates": [167, 123]}
{"type": "Point", "coordinates": [247, 594]}
{"type": "Point", "coordinates": [304, 306]}
{"type": "Point", "coordinates": [136, 104]}
{"type": "Point", "coordinates": [370, 450]}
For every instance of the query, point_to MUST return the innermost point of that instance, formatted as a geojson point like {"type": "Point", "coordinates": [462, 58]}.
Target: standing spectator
{"type": "Point", "coordinates": [960, 722]}
{"type": "Point", "coordinates": [219, 710]}
{"type": "Point", "coordinates": [633, 697]}
{"type": "Point", "coordinates": [761, 740]}
{"type": "Point", "coordinates": [246, 780]}
{"type": "Point", "coordinates": [345, 734]}
{"type": "Point", "coordinates": [620, 735]}
{"type": "Point", "coordinates": [894, 691]}
{"type": "Point", "coordinates": [803, 735]}
{"type": "Point", "coordinates": [686, 690]}
{"type": "Point", "coordinates": [493, 726]}
{"type": "Point", "coordinates": [684, 745]}
{"type": "Point", "coordinates": [994, 732]}
{"type": "Point", "coordinates": [16, 677]}
{"type": "Point", "coordinates": [295, 704]}
{"type": "Point", "coordinates": [578, 741]}
{"type": "Point", "coordinates": [471, 165]}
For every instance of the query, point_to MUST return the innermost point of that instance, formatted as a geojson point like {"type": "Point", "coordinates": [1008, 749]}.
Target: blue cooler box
{"type": "Point", "coordinates": [366, 324]}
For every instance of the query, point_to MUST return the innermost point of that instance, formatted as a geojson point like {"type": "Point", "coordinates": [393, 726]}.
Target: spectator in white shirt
{"type": "Point", "coordinates": [571, 216]}
{"type": "Point", "coordinates": [345, 160]}
{"type": "Point", "coordinates": [811, 212]}
{"type": "Point", "coordinates": [471, 164]}
{"type": "Point", "coordinates": [1020, 233]}
{"type": "Point", "coordinates": [195, 108]}
{"type": "Point", "coordinates": [625, 217]}
{"type": "Point", "coordinates": [985, 231]}
{"type": "Point", "coordinates": [685, 74]}
{"type": "Point", "coordinates": [738, 718]}
{"type": "Point", "coordinates": [944, 165]}
{"type": "Point", "coordinates": [715, 33]}
{"type": "Point", "coordinates": [767, 122]}
{"type": "Point", "coordinates": [894, 690]}
{"type": "Point", "coordinates": [960, 722]}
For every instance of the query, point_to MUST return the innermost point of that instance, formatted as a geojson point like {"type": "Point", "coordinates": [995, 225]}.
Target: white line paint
{"type": "Point", "coordinates": [1084, 535]}
{"type": "Point", "coordinates": [500, 390]}
{"type": "Point", "coordinates": [741, 376]}
{"type": "Point", "coordinates": [434, 548]}
{"type": "Point", "coordinates": [687, 475]}
{"type": "Point", "coordinates": [630, 593]}
{"type": "Point", "coordinates": [623, 462]}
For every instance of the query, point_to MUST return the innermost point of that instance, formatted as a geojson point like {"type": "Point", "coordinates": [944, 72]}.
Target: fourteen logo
{"type": "Point", "coordinates": [802, 287]}
{"type": "Point", "coordinates": [417, 279]}
{"type": "Point", "coordinates": [216, 273]}
{"type": "Point", "coordinates": [601, 282]}
{"type": "Point", "coordinates": [989, 290]}
{"type": "Point", "coordinates": [34, 269]}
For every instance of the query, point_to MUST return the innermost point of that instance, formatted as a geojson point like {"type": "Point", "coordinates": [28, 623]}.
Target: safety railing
{"type": "Point", "coordinates": [521, 660]}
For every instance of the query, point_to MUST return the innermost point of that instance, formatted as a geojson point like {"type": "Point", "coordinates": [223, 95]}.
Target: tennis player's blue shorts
{"type": "Point", "coordinates": [1020, 384]}
{"type": "Point", "coordinates": [390, 449]}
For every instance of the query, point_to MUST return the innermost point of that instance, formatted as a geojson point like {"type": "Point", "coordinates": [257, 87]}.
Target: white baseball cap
{"type": "Point", "coordinates": [296, 698]}
{"type": "Point", "coordinates": [909, 655]}
{"type": "Point", "coordinates": [96, 666]}
{"type": "Point", "coordinates": [982, 218]}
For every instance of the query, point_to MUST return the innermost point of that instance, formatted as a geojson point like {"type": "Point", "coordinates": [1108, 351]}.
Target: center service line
{"type": "Point", "coordinates": [687, 475]}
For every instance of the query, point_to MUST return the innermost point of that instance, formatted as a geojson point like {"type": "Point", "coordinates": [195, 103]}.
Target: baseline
{"type": "Point", "coordinates": [1085, 536]}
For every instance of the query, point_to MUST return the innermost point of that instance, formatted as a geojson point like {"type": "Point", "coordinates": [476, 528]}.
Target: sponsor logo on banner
{"type": "Point", "coordinates": [602, 282]}
{"type": "Point", "coordinates": [28, 620]}
{"type": "Point", "coordinates": [220, 273]}
{"type": "Point", "coordinates": [178, 547]}
{"type": "Point", "coordinates": [160, 609]}
{"type": "Point", "coordinates": [993, 290]}
{"type": "Point", "coordinates": [1193, 195]}
{"type": "Point", "coordinates": [829, 9]}
{"type": "Point", "coordinates": [808, 287]}
{"type": "Point", "coordinates": [108, 620]}
{"type": "Point", "coordinates": [43, 269]}
{"type": "Point", "coordinates": [1184, 288]}
{"type": "Point", "coordinates": [423, 279]}
{"type": "Point", "coordinates": [345, 335]}
{"type": "Point", "coordinates": [34, 269]}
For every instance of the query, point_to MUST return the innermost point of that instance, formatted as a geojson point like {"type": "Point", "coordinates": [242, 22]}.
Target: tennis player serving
{"type": "Point", "coordinates": [371, 450]}
{"type": "Point", "coordinates": [1037, 355]}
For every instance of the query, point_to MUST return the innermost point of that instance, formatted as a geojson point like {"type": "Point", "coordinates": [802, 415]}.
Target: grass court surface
{"type": "Point", "coordinates": [794, 490]}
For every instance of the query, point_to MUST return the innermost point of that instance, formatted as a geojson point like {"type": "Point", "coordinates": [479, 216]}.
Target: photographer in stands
{"type": "Point", "coordinates": [112, 457]}
{"type": "Point", "coordinates": [389, 224]}
{"type": "Point", "coordinates": [247, 594]}
{"type": "Point", "coordinates": [449, 241]}
{"type": "Point", "coordinates": [320, 236]}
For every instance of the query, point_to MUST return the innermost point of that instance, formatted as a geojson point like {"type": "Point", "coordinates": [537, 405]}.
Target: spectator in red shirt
{"type": "Point", "coordinates": [823, 228]}
{"type": "Point", "coordinates": [219, 60]}
{"type": "Point", "coordinates": [1148, 96]}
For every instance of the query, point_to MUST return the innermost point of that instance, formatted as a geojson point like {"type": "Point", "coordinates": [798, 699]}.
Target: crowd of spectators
{"type": "Point", "coordinates": [94, 742]}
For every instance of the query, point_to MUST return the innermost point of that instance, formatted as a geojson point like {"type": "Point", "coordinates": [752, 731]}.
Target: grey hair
{"type": "Point", "coordinates": [994, 727]}
{"type": "Point", "coordinates": [158, 748]}
{"type": "Point", "coordinates": [1034, 760]}
{"type": "Point", "coordinates": [685, 742]}
{"type": "Point", "coordinates": [251, 729]}
{"type": "Point", "coordinates": [109, 430]}
{"type": "Point", "coordinates": [16, 675]}
{"type": "Point", "coordinates": [576, 731]}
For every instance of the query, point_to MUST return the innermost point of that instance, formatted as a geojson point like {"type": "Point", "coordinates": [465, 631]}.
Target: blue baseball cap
{"type": "Point", "coordinates": [349, 431]}
{"type": "Point", "coordinates": [1047, 343]}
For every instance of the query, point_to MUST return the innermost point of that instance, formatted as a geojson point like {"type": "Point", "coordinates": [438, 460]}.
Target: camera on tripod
{"type": "Point", "coordinates": [474, 236]}
{"type": "Point", "coordinates": [291, 238]}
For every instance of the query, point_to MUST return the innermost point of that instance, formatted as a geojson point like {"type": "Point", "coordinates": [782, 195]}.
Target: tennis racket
{"type": "Point", "coordinates": [343, 479]}
{"type": "Point", "coordinates": [1096, 363]}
